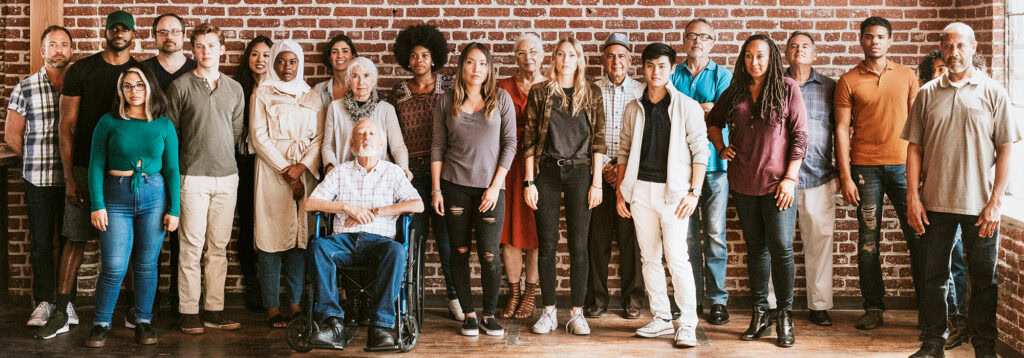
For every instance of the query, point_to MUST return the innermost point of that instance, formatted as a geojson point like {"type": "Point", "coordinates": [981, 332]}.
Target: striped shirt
{"type": "Point", "coordinates": [38, 100]}
{"type": "Point", "coordinates": [615, 99]}
{"type": "Point", "coordinates": [384, 185]}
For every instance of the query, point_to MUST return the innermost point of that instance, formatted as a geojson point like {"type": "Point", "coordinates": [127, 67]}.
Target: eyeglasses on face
{"type": "Point", "coordinates": [694, 36]}
{"type": "Point", "coordinates": [128, 87]}
{"type": "Point", "coordinates": [174, 32]}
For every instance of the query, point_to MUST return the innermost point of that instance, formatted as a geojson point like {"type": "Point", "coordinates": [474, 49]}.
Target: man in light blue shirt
{"type": "Point", "coordinates": [704, 80]}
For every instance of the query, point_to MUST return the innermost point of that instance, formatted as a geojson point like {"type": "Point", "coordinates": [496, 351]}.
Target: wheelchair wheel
{"type": "Point", "coordinates": [297, 334]}
{"type": "Point", "coordinates": [410, 334]}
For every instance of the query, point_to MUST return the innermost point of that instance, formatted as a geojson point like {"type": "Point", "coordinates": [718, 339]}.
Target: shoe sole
{"type": "Point", "coordinates": [192, 330]}
{"type": "Point", "coordinates": [73, 321]}
{"type": "Point", "coordinates": [719, 323]}
{"type": "Point", "coordinates": [469, 332]}
{"type": "Point", "coordinates": [587, 333]}
{"type": "Point", "coordinates": [226, 327]}
{"type": "Point", "coordinates": [956, 343]}
{"type": "Point", "coordinates": [64, 329]}
{"type": "Point", "coordinates": [35, 324]}
{"type": "Point", "coordinates": [540, 331]}
{"type": "Point", "coordinates": [147, 341]}
{"type": "Point", "coordinates": [657, 334]}
{"type": "Point", "coordinates": [95, 344]}
{"type": "Point", "coordinates": [686, 344]}
{"type": "Point", "coordinates": [494, 332]}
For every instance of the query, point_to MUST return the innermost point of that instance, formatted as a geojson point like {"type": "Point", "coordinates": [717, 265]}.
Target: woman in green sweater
{"type": "Point", "coordinates": [134, 185]}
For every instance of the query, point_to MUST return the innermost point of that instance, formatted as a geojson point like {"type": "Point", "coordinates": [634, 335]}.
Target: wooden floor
{"type": "Point", "coordinates": [612, 336]}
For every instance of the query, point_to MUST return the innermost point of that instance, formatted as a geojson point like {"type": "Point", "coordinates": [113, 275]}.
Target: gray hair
{"type": "Point", "coordinates": [366, 65]}
{"type": "Point", "coordinates": [960, 28]}
{"type": "Point", "coordinates": [528, 37]}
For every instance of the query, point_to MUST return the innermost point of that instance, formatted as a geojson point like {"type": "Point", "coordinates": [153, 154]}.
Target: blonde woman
{"type": "Point", "coordinates": [286, 124]}
{"type": "Point", "coordinates": [564, 151]}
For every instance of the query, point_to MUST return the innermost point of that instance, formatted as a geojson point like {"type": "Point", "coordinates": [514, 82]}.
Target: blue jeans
{"type": "Point", "coordinates": [981, 254]}
{"type": "Point", "coordinates": [956, 301]}
{"type": "Point", "coordinates": [714, 199]}
{"type": "Point", "coordinates": [874, 182]}
{"type": "Point", "coordinates": [45, 209]}
{"type": "Point", "coordinates": [768, 233]}
{"type": "Point", "coordinates": [268, 266]}
{"type": "Point", "coordinates": [335, 251]}
{"type": "Point", "coordinates": [421, 181]}
{"type": "Point", "coordinates": [134, 233]}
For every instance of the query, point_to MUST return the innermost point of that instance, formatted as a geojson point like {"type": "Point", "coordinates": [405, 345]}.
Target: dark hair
{"type": "Point", "coordinates": [425, 35]}
{"type": "Point", "coordinates": [800, 33]}
{"type": "Point", "coordinates": [875, 21]}
{"type": "Point", "coordinates": [206, 28]}
{"type": "Point", "coordinates": [155, 96]}
{"type": "Point", "coordinates": [656, 50]}
{"type": "Point", "coordinates": [696, 20]}
{"type": "Point", "coordinates": [771, 102]}
{"type": "Point", "coordinates": [52, 28]}
{"type": "Point", "coordinates": [244, 74]}
{"type": "Point", "coordinates": [925, 70]}
{"type": "Point", "coordinates": [158, 18]}
{"type": "Point", "coordinates": [326, 56]}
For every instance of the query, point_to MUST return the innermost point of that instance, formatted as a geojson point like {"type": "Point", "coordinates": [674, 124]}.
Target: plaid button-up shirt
{"type": "Point", "coordinates": [38, 100]}
{"type": "Point", "coordinates": [385, 184]}
{"type": "Point", "coordinates": [615, 99]}
{"type": "Point", "coordinates": [818, 167]}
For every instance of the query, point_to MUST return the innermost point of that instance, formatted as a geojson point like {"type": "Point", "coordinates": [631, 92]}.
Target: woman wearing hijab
{"type": "Point", "coordinates": [359, 103]}
{"type": "Point", "coordinates": [286, 123]}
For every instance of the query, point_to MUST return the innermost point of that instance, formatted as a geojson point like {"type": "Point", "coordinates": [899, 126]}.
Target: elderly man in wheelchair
{"type": "Point", "coordinates": [367, 195]}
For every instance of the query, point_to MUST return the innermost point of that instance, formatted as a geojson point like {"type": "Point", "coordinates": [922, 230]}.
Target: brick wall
{"type": "Point", "coordinates": [1010, 315]}
{"type": "Point", "coordinates": [373, 25]}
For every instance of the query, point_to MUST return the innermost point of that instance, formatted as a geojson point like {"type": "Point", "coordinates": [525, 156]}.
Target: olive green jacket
{"type": "Point", "coordinates": [538, 111]}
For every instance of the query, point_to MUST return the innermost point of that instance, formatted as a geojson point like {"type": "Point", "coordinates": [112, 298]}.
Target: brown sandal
{"type": "Point", "coordinates": [529, 302]}
{"type": "Point", "coordinates": [513, 300]}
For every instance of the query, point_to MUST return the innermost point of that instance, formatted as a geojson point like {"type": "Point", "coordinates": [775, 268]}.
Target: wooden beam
{"type": "Point", "coordinates": [44, 13]}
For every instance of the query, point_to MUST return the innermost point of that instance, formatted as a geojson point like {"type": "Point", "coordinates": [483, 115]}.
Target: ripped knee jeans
{"type": "Point", "coordinates": [466, 221]}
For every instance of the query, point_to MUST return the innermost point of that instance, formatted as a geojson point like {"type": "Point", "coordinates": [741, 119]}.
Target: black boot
{"type": "Point", "coordinates": [380, 340]}
{"type": "Point", "coordinates": [759, 323]}
{"type": "Point", "coordinates": [784, 329]}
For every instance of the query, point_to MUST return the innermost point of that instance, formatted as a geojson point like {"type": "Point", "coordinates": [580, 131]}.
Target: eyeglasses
{"type": "Point", "coordinates": [174, 32]}
{"type": "Point", "coordinates": [702, 37]}
{"type": "Point", "coordinates": [532, 53]}
{"type": "Point", "coordinates": [128, 87]}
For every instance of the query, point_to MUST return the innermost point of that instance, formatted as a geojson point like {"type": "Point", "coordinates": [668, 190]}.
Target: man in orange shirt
{"type": "Point", "coordinates": [873, 99]}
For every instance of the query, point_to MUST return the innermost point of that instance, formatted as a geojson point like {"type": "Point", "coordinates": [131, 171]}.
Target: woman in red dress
{"type": "Point", "coordinates": [520, 231]}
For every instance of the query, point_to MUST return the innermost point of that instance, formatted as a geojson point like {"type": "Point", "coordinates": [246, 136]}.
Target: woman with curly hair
{"type": "Point", "coordinates": [336, 56]}
{"type": "Point", "coordinates": [767, 123]}
{"type": "Point", "coordinates": [422, 50]}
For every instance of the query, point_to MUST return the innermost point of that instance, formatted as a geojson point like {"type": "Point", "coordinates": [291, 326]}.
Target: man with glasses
{"type": "Point", "coordinates": [170, 61]}
{"type": "Point", "coordinates": [704, 81]}
{"type": "Point", "coordinates": [90, 86]}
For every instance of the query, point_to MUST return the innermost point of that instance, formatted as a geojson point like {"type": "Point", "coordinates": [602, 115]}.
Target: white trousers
{"type": "Point", "coordinates": [816, 218]}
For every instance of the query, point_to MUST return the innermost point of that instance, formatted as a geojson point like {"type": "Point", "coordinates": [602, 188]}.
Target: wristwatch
{"type": "Point", "coordinates": [375, 211]}
{"type": "Point", "coordinates": [693, 191]}
{"type": "Point", "coordinates": [527, 183]}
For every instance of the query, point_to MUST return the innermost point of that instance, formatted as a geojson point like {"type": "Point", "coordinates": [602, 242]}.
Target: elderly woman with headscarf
{"type": "Point", "coordinates": [286, 123]}
{"type": "Point", "coordinates": [361, 102]}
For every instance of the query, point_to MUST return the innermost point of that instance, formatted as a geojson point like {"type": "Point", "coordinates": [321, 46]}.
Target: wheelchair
{"type": "Point", "coordinates": [409, 304]}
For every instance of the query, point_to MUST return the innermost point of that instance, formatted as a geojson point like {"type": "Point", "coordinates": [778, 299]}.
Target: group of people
{"type": "Point", "coordinates": [124, 151]}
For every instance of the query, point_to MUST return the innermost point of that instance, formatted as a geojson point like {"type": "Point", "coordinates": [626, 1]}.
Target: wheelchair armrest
{"type": "Point", "coordinates": [324, 224]}
{"type": "Point", "coordinates": [404, 228]}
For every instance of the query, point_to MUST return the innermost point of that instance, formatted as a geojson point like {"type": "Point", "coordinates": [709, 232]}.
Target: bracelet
{"type": "Point", "coordinates": [790, 178]}
{"type": "Point", "coordinates": [438, 191]}
{"type": "Point", "coordinates": [595, 186]}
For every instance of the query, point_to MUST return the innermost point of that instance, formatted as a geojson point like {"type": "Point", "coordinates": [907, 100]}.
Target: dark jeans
{"type": "Point", "coordinates": [429, 219]}
{"type": "Point", "coordinates": [605, 224]}
{"type": "Point", "coordinates": [331, 252]}
{"type": "Point", "coordinates": [246, 222]}
{"type": "Point", "coordinates": [45, 210]}
{"type": "Point", "coordinates": [552, 182]}
{"type": "Point", "coordinates": [270, 263]}
{"type": "Point", "coordinates": [464, 217]}
{"type": "Point", "coordinates": [768, 233]}
{"type": "Point", "coordinates": [981, 254]}
{"type": "Point", "coordinates": [873, 183]}
{"type": "Point", "coordinates": [957, 298]}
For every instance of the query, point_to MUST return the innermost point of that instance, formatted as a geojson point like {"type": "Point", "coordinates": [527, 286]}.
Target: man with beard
{"type": "Point", "coordinates": [90, 86]}
{"type": "Point", "coordinates": [170, 61]}
{"type": "Point", "coordinates": [31, 131]}
{"type": "Point", "coordinates": [873, 100]}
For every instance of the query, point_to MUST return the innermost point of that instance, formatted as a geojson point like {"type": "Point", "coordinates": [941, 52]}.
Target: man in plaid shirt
{"type": "Point", "coordinates": [367, 195]}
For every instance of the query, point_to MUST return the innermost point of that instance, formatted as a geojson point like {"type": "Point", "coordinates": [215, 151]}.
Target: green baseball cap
{"type": "Point", "coordinates": [121, 17]}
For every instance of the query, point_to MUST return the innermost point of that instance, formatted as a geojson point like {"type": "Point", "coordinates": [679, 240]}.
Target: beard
{"type": "Point", "coordinates": [964, 66]}
{"type": "Point", "coordinates": [164, 49]}
{"type": "Point", "coordinates": [57, 63]}
{"type": "Point", "coordinates": [113, 46]}
{"type": "Point", "coordinates": [367, 152]}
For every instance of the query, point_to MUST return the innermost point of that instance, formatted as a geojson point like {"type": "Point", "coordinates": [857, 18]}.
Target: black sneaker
{"type": "Point", "coordinates": [491, 327]}
{"type": "Point", "coordinates": [330, 334]}
{"type": "Point", "coordinates": [190, 324]}
{"type": "Point", "coordinates": [97, 337]}
{"type": "Point", "coordinates": [57, 324]}
{"type": "Point", "coordinates": [470, 327]}
{"type": "Point", "coordinates": [215, 319]}
{"type": "Point", "coordinates": [144, 334]}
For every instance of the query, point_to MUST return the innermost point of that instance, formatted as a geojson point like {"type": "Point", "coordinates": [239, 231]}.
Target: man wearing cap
{"type": "Point", "coordinates": [704, 81]}
{"type": "Point", "coordinates": [617, 89]}
{"type": "Point", "coordinates": [90, 86]}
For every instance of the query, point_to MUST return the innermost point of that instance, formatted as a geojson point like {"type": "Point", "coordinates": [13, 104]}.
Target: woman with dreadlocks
{"type": "Point", "coordinates": [767, 122]}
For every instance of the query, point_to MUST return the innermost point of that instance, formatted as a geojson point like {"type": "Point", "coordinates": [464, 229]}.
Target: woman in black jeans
{"type": "Point", "coordinates": [564, 150]}
{"type": "Point", "coordinates": [474, 141]}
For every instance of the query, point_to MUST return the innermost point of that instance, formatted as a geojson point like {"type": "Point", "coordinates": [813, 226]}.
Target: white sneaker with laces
{"type": "Point", "coordinates": [456, 310]}
{"type": "Point", "coordinates": [578, 325]}
{"type": "Point", "coordinates": [548, 322]}
{"type": "Point", "coordinates": [72, 315]}
{"type": "Point", "coordinates": [686, 337]}
{"type": "Point", "coordinates": [657, 327]}
{"type": "Point", "coordinates": [40, 315]}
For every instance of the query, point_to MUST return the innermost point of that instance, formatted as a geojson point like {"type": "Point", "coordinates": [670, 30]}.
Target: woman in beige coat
{"type": "Point", "coordinates": [286, 129]}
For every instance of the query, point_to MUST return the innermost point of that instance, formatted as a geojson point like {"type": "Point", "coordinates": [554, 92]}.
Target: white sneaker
{"type": "Point", "coordinates": [657, 327]}
{"type": "Point", "coordinates": [578, 325]}
{"type": "Point", "coordinates": [72, 315]}
{"type": "Point", "coordinates": [456, 310]}
{"type": "Point", "coordinates": [686, 337]}
{"type": "Point", "coordinates": [548, 322]}
{"type": "Point", "coordinates": [40, 315]}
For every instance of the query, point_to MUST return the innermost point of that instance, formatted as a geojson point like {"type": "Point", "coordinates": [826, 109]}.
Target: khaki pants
{"type": "Point", "coordinates": [207, 214]}
{"type": "Point", "coordinates": [816, 218]}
